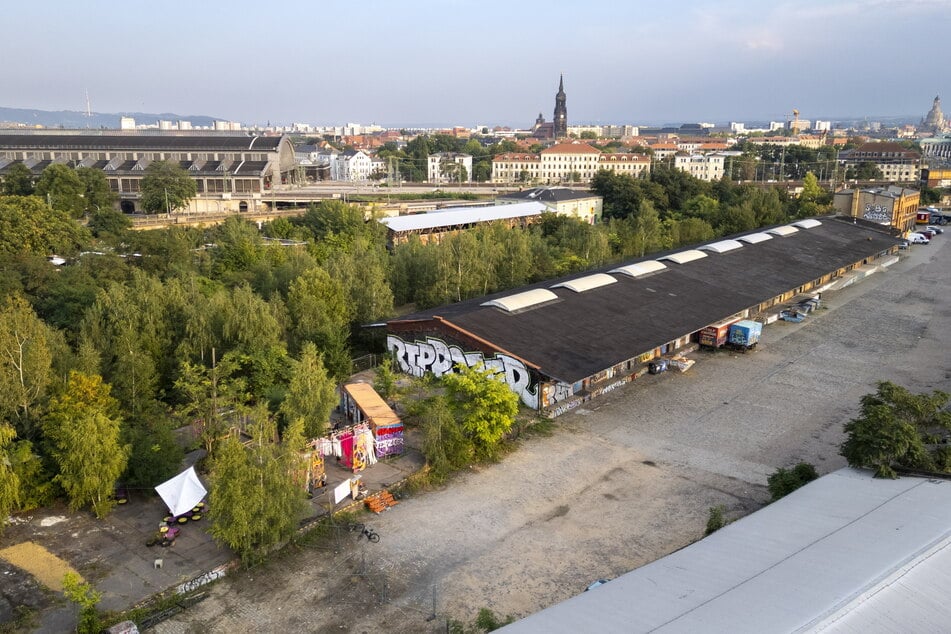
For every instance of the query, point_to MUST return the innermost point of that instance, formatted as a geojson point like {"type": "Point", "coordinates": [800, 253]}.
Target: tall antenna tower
{"type": "Point", "coordinates": [88, 107]}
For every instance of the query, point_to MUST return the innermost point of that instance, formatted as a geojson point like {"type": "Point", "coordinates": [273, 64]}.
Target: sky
{"type": "Point", "coordinates": [434, 63]}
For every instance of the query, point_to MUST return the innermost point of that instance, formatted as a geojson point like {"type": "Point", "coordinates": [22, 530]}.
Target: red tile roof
{"type": "Point", "coordinates": [571, 148]}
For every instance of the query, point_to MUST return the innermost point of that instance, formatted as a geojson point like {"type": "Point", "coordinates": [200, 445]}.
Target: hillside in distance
{"type": "Point", "coordinates": [74, 120]}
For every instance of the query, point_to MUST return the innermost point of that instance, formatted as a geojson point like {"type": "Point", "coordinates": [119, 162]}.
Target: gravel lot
{"type": "Point", "coordinates": [617, 485]}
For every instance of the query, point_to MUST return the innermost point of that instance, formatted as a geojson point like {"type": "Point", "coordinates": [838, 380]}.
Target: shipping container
{"type": "Point", "coordinates": [745, 334]}
{"type": "Point", "coordinates": [715, 335]}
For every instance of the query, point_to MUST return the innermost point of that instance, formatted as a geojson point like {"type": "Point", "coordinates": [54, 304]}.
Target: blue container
{"type": "Point", "coordinates": [745, 333]}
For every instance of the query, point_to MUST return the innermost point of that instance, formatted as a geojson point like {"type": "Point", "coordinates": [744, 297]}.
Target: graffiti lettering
{"type": "Point", "coordinates": [567, 406]}
{"type": "Point", "coordinates": [877, 213]}
{"type": "Point", "coordinates": [435, 356]}
{"type": "Point", "coordinates": [609, 388]}
{"type": "Point", "coordinates": [556, 393]}
{"type": "Point", "coordinates": [208, 577]}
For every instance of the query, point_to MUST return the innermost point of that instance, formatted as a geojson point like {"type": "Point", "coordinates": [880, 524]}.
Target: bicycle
{"type": "Point", "coordinates": [366, 531]}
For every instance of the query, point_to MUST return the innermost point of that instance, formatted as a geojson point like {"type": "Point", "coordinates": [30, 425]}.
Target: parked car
{"type": "Point", "coordinates": [917, 238]}
{"type": "Point", "coordinates": [938, 230]}
{"type": "Point", "coordinates": [903, 245]}
{"type": "Point", "coordinates": [927, 233]}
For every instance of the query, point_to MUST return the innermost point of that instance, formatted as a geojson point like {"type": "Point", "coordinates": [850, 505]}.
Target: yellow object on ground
{"type": "Point", "coordinates": [39, 562]}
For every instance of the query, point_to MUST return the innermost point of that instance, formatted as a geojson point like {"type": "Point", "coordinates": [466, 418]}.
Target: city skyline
{"type": "Point", "coordinates": [435, 63]}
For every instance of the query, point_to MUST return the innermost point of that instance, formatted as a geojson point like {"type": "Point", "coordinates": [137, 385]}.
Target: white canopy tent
{"type": "Point", "coordinates": [182, 492]}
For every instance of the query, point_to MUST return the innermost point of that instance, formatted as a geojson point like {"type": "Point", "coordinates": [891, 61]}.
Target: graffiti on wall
{"type": "Point", "coordinates": [877, 213]}
{"type": "Point", "coordinates": [556, 393]}
{"type": "Point", "coordinates": [436, 356]}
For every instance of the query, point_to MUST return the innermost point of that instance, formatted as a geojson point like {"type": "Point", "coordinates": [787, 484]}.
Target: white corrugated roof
{"type": "Point", "coordinates": [722, 246]}
{"type": "Point", "coordinates": [462, 216]}
{"type": "Point", "coordinates": [521, 301]}
{"type": "Point", "coordinates": [684, 256]}
{"type": "Point", "coordinates": [588, 282]}
{"type": "Point", "coordinates": [846, 553]}
{"type": "Point", "coordinates": [641, 268]}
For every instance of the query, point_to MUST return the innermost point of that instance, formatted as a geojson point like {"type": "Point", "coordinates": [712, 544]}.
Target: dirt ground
{"type": "Point", "coordinates": [616, 485]}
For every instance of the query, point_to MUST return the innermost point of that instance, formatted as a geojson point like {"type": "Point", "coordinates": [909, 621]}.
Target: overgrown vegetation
{"type": "Point", "coordinates": [784, 481]}
{"type": "Point", "coordinates": [467, 421]}
{"type": "Point", "coordinates": [896, 428]}
{"type": "Point", "coordinates": [485, 621]}
{"type": "Point", "coordinates": [144, 332]}
{"type": "Point", "coordinates": [715, 519]}
{"type": "Point", "coordinates": [86, 598]}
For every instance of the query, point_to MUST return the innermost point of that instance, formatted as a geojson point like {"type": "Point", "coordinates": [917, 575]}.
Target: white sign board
{"type": "Point", "coordinates": [341, 491]}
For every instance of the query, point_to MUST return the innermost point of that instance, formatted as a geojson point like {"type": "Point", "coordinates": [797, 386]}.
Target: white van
{"type": "Point", "coordinates": [917, 238]}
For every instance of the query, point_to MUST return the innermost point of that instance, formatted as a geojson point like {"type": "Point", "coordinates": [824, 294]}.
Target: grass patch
{"type": "Point", "coordinates": [25, 619]}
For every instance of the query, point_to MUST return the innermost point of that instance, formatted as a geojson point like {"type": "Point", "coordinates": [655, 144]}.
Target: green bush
{"type": "Point", "coordinates": [715, 521]}
{"type": "Point", "coordinates": [785, 481]}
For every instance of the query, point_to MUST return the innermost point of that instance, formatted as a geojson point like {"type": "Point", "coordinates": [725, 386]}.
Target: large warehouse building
{"type": "Point", "coordinates": [232, 172]}
{"type": "Point", "coordinates": [562, 342]}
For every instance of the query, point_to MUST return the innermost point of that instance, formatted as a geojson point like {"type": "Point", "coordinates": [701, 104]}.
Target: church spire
{"type": "Point", "coordinates": [560, 128]}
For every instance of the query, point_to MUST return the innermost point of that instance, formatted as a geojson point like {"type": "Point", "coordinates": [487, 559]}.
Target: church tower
{"type": "Point", "coordinates": [934, 120]}
{"type": "Point", "coordinates": [561, 111]}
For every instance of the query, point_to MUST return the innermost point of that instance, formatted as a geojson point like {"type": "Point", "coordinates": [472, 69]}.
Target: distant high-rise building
{"type": "Point", "coordinates": [126, 123]}
{"type": "Point", "coordinates": [561, 111]}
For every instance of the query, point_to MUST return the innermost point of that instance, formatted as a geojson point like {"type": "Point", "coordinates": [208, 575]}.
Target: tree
{"type": "Point", "coordinates": [445, 444]}
{"type": "Point", "coordinates": [896, 427]}
{"type": "Point", "coordinates": [384, 381]}
{"type": "Point", "coordinates": [310, 395]}
{"type": "Point", "coordinates": [484, 405]}
{"type": "Point", "coordinates": [18, 181]}
{"type": "Point", "coordinates": [155, 455]}
{"type": "Point", "coordinates": [86, 598]}
{"type": "Point", "coordinates": [9, 480]}
{"type": "Point", "coordinates": [211, 396]}
{"type": "Point", "coordinates": [785, 481]}
{"type": "Point", "coordinates": [166, 187]}
{"type": "Point", "coordinates": [82, 427]}
{"type": "Point", "coordinates": [97, 195]}
{"type": "Point", "coordinates": [864, 172]}
{"type": "Point", "coordinates": [62, 189]}
{"type": "Point", "coordinates": [28, 225]}
{"type": "Point", "coordinates": [108, 222]}
{"type": "Point", "coordinates": [26, 363]}
{"type": "Point", "coordinates": [320, 312]}
{"type": "Point", "coordinates": [255, 502]}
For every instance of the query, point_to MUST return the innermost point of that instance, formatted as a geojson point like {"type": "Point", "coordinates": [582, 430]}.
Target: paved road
{"type": "Point", "coordinates": [619, 484]}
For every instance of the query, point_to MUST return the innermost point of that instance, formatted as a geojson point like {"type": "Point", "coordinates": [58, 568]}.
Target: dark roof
{"type": "Point", "coordinates": [585, 333]}
{"type": "Point", "coordinates": [549, 194]}
{"type": "Point", "coordinates": [144, 142]}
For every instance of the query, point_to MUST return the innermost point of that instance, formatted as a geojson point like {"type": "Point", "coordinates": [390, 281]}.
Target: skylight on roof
{"type": "Point", "coordinates": [722, 246]}
{"type": "Point", "coordinates": [783, 231]}
{"type": "Point", "coordinates": [808, 223]}
{"type": "Point", "coordinates": [755, 238]}
{"type": "Point", "coordinates": [640, 269]}
{"type": "Point", "coordinates": [521, 301]}
{"type": "Point", "coordinates": [587, 283]}
{"type": "Point", "coordinates": [684, 256]}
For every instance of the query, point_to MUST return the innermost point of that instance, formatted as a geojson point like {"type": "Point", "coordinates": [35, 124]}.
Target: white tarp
{"type": "Point", "coordinates": [182, 492]}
